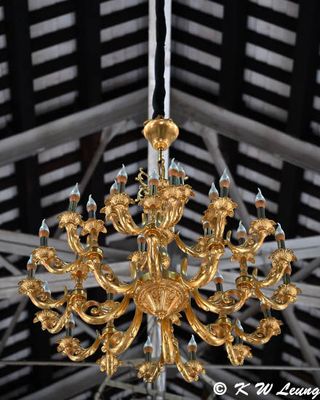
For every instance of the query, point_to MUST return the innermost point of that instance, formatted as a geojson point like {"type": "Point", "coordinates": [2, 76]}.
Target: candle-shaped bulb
{"type": "Point", "coordinates": [239, 325]}
{"type": "Point", "coordinates": [46, 288]}
{"type": "Point", "coordinates": [153, 182]}
{"type": "Point", "coordinates": [206, 228]}
{"type": "Point", "coordinates": [122, 179]}
{"type": "Point", "coordinates": [71, 322]}
{"type": "Point", "coordinates": [141, 240]}
{"type": "Point", "coordinates": [70, 325]}
{"type": "Point", "coordinates": [224, 183]}
{"type": "Point", "coordinates": [279, 233]}
{"type": "Point", "coordinates": [173, 173]}
{"type": "Point", "coordinates": [224, 179]}
{"type": "Point", "coordinates": [218, 280]}
{"type": "Point", "coordinates": [148, 347]}
{"type": "Point", "coordinates": [75, 193]}
{"type": "Point", "coordinates": [44, 233]}
{"type": "Point", "coordinates": [74, 198]}
{"type": "Point", "coordinates": [44, 229]}
{"type": "Point", "coordinates": [31, 267]}
{"type": "Point", "coordinates": [154, 177]}
{"type": "Point", "coordinates": [181, 173]}
{"type": "Point", "coordinates": [241, 231]}
{"type": "Point", "coordinates": [114, 188]}
{"type": "Point", "coordinates": [213, 192]}
{"type": "Point", "coordinates": [192, 345]}
{"type": "Point", "coordinates": [173, 165]}
{"type": "Point", "coordinates": [260, 201]}
{"type": "Point", "coordinates": [122, 175]}
{"type": "Point", "coordinates": [91, 204]}
{"type": "Point", "coordinates": [265, 309]}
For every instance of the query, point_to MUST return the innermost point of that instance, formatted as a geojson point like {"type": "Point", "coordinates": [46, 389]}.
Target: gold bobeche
{"type": "Point", "coordinates": [154, 287]}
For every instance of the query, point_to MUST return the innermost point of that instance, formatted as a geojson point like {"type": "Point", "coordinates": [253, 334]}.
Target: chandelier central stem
{"type": "Point", "coordinates": [161, 165]}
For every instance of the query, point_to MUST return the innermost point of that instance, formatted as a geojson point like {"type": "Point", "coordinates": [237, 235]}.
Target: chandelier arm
{"type": "Point", "coordinates": [190, 370]}
{"type": "Point", "coordinates": [74, 239]}
{"type": "Point", "coordinates": [281, 262]}
{"type": "Point", "coordinates": [205, 275]}
{"type": "Point", "coordinates": [172, 214]}
{"type": "Point", "coordinates": [117, 211]}
{"type": "Point", "coordinates": [183, 370]}
{"type": "Point", "coordinates": [121, 341]}
{"type": "Point", "coordinates": [202, 330]}
{"type": "Point", "coordinates": [267, 328]}
{"type": "Point", "coordinates": [281, 298]}
{"type": "Point", "coordinates": [44, 300]}
{"type": "Point", "coordinates": [74, 351]}
{"type": "Point", "coordinates": [47, 257]}
{"type": "Point", "coordinates": [52, 321]}
{"type": "Point", "coordinates": [219, 225]}
{"type": "Point", "coordinates": [119, 310]}
{"type": "Point", "coordinates": [274, 275]}
{"type": "Point", "coordinates": [33, 288]}
{"type": "Point", "coordinates": [108, 363]}
{"type": "Point", "coordinates": [250, 247]}
{"type": "Point", "coordinates": [237, 353]}
{"type": "Point", "coordinates": [167, 341]}
{"type": "Point", "coordinates": [123, 223]}
{"type": "Point", "coordinates": [150, 370]}
{"type": "Point", "coordinates": [190, 251]}
{"type": "Point", "coordinates": [224, 302]}
{"type": "Point", "coordinates": [112, 285]}
{"type": "Point", "coordinates": [167, 215]}
{"type": "Point", "coordinates": [60, 267]}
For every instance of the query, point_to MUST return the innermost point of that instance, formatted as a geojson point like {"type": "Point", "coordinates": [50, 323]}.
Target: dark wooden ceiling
{"type": "Point", "coordinates": [257, 58]}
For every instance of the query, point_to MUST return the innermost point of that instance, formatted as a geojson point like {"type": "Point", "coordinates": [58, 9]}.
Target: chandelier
{"type": "Point", "coordinates": [156, 287]}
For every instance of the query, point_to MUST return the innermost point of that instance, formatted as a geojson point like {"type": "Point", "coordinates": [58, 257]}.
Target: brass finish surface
{"type": "Point", "coordinates": [160, 132]}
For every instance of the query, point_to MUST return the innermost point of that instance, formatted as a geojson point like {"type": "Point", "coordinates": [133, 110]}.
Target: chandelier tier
{"type": "Point", "coordinates": [156, 287]}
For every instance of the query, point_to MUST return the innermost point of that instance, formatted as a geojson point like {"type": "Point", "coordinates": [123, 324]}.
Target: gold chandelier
{"type": "Point", "coordinates": [155, 288]}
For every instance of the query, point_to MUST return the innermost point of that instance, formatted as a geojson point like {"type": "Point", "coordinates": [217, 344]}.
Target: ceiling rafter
{"type": "Point", "coordinates": [306, 60]}
{"type": "Point", "coordinates": [88, 24]}
{"type": "Point", "coordinates": [245, 130]}
{"type": "Point", "coordinates": [20, 64]}
{"type": "Point", "coordinates": [197, 38]}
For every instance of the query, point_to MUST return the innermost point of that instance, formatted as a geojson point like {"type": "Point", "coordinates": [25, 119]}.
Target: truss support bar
{"type": "Point", "coordinates": [13, 322]}
{"type": "Point", "coordinates": [22, 244]}
{"type": "Point", "coordinates": [304, 345]}
{"type": "Point", "coordinates": [187, 107]}
{"type": "Point", "coordinates": [211, 140]}
{"type": "Point", "coordinates": [74, 126]}
{"type": "Point", "coordinates": [107, 135]}
{"type": "Point", "coordinates": [140, 389]}
{"type": "Point", "coordinates": [8, 266]}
